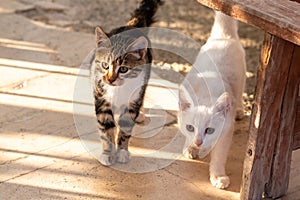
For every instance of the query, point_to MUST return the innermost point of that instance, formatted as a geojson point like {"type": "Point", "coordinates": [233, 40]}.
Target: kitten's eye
{"type": "Point", "coordinates": [123, 69]}
{"type": "Point", "coordinates": [104, 65]}
{"type": "Point", "coordinates": [209, 130]}
{"type": "Point", "coordinates": [190, 128]}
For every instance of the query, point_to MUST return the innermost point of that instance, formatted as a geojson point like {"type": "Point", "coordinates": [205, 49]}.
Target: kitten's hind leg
{"type": "Point", "coordinates": [239, 114]}
{"type": "Point", "coordinates": [239, 110]}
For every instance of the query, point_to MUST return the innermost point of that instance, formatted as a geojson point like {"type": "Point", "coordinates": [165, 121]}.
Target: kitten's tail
{"type": "Point", "coordinates": [224, 27]}
{"type": "Point", "coordinates": [143, 16]}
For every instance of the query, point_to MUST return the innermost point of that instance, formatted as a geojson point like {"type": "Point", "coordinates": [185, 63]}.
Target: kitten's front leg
{"type": "Point", "coordinates": [123, 155]}
{"type": "Point", "coordinates": [126, 123]}
{"type": "Point", "coordinates": [107, 130]}
{"type": "Point", "coordinates": [108, 154]}
{"type": "Point", "coordinates": [191, 152]}
{"type": "Point", "coordinates": [218, 177]}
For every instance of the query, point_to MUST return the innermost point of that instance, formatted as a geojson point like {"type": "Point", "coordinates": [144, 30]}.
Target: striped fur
{"type": "Point", "coordinates": [120, 73]}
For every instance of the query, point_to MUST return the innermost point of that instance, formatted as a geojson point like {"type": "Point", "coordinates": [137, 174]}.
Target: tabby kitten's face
{"type": "Point", "coordinates": [119, 58]}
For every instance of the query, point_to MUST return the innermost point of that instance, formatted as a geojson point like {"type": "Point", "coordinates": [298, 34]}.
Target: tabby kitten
{"type": "Point", "coordinates": [120, 73]}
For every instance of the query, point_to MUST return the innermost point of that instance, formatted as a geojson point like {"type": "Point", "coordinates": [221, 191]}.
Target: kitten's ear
{"type": "Point", "coordinates": [138, 48]}
{"type": "Point", "coordinates": [184, 105]}
{"type": "Point", "coordinates": [101, 37]}
{"type": "Point", "coordinates": [223, 104]}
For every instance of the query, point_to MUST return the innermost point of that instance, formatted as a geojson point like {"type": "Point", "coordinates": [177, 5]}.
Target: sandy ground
{"type": "Point", "coordinates": [42, 44]}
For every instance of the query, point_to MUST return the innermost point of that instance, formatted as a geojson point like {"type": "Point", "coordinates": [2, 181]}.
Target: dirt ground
{"type": "Point", "coordinates": [66, 170]}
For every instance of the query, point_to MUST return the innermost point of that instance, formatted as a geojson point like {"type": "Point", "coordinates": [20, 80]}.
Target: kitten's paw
{"type": "Point", "coordinates": [239, 114]}
{"type": "Point", "coordinates": [221, 182]}
{"type": "Point", "coordinates": [123, 156]}
{"type": "Point", "coordinates": [107, 159]}
{"type": "Point", "coordinates": [191, 153]}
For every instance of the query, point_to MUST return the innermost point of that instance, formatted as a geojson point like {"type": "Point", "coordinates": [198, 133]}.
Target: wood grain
{"type": "Point", "coordinates": [280, 18]}
{"type": "Point", "coordinates": [296, 1]}
{"type": "Point", "coordinates": [272, 77]}
{"type": "Point", "coordinates": [296, 140]}
{"type": "Point", "coordinates": [296, 144]}
{"type": "Point", "coordinates": [280, 172]}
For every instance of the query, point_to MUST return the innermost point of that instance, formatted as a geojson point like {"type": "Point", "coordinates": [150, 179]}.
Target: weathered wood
{"type": "Point", "coordinates": [280, 18]}
{"type": "Point", "coordinates": [296, 144]}
{"type": "Point", "coordinates": [296, 140]}
{"type": "Point", "coordinates": [272, 78]}
{"type": "Point", "coordinates": [280, 172]}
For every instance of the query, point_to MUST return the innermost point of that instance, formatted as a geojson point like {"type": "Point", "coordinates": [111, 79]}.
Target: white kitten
{"type": "Point", "coordinates": [211, 96]}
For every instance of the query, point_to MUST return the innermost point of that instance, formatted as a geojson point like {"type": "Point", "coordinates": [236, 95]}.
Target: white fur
{"type": "Point", "coordinates": [120, 96]}
{"type": "Point", "coordinates": [123, 156]}
{"type": "Point", "coordinates": [211, 96]}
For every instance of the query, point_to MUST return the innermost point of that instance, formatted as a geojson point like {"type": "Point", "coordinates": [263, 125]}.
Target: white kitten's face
{"type": "Point", "coordinates": [203, 125]}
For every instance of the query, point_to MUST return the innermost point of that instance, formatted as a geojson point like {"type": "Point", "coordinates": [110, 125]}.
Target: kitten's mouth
{"type": "Point", "coordinates": [114, 83]}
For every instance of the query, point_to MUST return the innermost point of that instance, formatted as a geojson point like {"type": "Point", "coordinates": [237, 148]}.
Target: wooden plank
{"type": "Point", "coordinates": [280, 172]}
{"type": "Point", "coordinates": [272, 78]}
{"type": "Point", "coordinates": [280, 18]}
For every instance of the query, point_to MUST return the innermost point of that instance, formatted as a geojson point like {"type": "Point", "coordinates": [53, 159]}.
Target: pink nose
{"type": "Point", "coordinates": [198, 142]}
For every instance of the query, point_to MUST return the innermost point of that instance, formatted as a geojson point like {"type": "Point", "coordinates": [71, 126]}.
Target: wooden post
{"type": "Point", "coordinates": [296, 140]}
{"type": "Point", "coordinates": [271, 114]}
{"type": "Point", "coordinates": [280, 172]}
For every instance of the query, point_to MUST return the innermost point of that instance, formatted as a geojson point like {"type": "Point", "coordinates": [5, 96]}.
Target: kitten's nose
{"type": "Point", "coordinates": [198, 142]}
{"type": "Point", "coordinates": [110, 78]}
{"type": "Point", "coordinates": [110, 75]}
